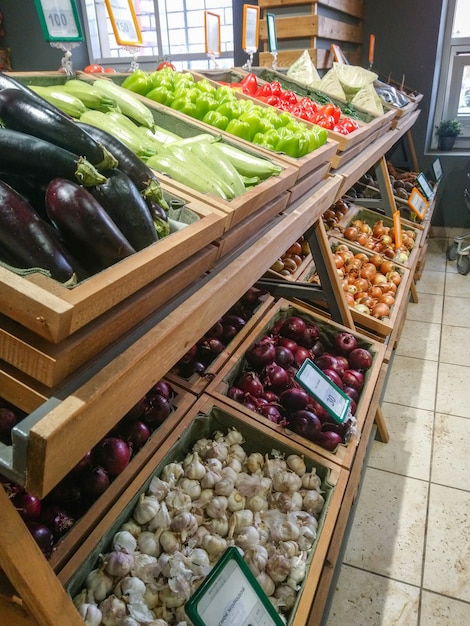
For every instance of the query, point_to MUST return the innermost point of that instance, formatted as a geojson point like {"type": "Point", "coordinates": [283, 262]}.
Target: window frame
{"type": "Point", "coordinates": [185, 61]}
{"type": "Point", "coordinates": [454, 54]}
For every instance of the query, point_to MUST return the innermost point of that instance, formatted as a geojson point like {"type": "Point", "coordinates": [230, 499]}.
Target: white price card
{"type": "Point", "coordinates": [250, 28]}
{"type": "Point", "coordinates": [212, 32]}
{"type": "Point", "coordinates": [329, 395]}
{"type": "Point", "coordinates": [231, 596]}
{"type": "Point", "coordinates": [124, 22]}
{"type": "Point", "coordinates": [425, 186]}
{"type": "Point", "coordinates": [272, 37]}
{"type": "Point", "coordinates": [437, 169]}
{"type": "Point", "coordinates": [59, 20]}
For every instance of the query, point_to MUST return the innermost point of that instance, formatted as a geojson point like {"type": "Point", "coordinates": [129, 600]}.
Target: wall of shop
{"type": "Point", "coordinates": [407, 44]}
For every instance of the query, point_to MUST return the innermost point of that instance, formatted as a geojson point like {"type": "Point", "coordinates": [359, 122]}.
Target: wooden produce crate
{"type": "Point", "coordinates": [379, 326]}
{"type": "Point", "coordinates": [50, 364]}
{"type": "Point", "coordinates": [197, 384]}
{"type": "Point", "coordinates": [344, 453]}
{"type": "Point", "coordinates": [370, 217]}
{"type": "Point", "coordinates": [181, 404]}
{"type": "Point", "coordinates": [205, 418]}
{"type": "Point", "coordinates": [54, 312]}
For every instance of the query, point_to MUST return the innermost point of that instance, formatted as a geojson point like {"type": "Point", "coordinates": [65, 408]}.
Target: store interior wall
{"type": "Point", "coordinates": [406, 44]}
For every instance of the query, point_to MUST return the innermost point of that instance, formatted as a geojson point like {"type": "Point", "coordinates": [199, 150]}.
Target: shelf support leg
{"type": "Point", "coordinates": [381, 425]}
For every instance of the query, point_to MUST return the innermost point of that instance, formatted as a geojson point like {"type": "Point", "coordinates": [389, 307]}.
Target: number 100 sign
{"type": "Point", "coordinates": [59, 20]}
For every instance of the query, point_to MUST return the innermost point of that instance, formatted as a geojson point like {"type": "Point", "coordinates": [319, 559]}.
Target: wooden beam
{"type": "Point", "coordinates": [291, 27]}
{"type": "Point", "coordinates": [354, 8]}
{"type": "Point", "coordinates": [338, 31]}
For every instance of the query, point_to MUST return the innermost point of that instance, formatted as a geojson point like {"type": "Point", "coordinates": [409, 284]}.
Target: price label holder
{"type": "Point", "coordinates": [125, 27]}
{"type": "Point", "coordinates": [212, 35]}
{"type": "Point", "coordinates": [231, 595]}
{"type": "Point", "coordinates": [272, 37]}
{"type": "Point", "coordinates": [61, 27]}
{"type": "Point", "coordinates": [437, 169]}
{"type": "Point", "coordinates": [424, 186]}
{"type": "Point", "coordinates": [418, 203]}
{"type": "Point", "coordinates": [250, 32]}
{"type": "Point", "coordinates": [329, 395]}
{"type": "Point", "coordinates": [339, 54]}
{"type": "Point", "coordinates": [397, 228]}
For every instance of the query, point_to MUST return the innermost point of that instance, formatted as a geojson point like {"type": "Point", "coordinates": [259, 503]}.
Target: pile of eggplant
{"type": "Point", "coordinates": [73, 199]}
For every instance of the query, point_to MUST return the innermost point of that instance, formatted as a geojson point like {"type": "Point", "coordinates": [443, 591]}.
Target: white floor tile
{"type": "Point", "coordinates": [427, 309]}
{"type": "Point", "coordinates": [447, 553]}
{"type": "Point", "coordinates": [451, 451]}
{"type": "Point", "coordinates": [439, 610]}
{"type": "Point", "coordinates": [387, 537]}
{"type": "Point", "coordinates": [455, 345]}
{"type": "Point", "coordinates": [457, 285]}
{"type": "Point", "coordinates": [364, 599]}
{"type": "Point", "coordinates": [420, 340]}
{"type": "Point", "coordinates": [431, 282]}
{"type": "Point", "coordinates": [453, 390]}
{"type": "Point", "coordinates": [412, 382]}
{"type": "Point", "coordinates": [455, 312]}
{"type": "Point", "coordinates": [408, 452]}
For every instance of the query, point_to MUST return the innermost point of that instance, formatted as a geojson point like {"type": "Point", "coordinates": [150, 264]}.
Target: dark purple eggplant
{"type": "Point", "coordinates": [88, 231]}
{"type": "Point", "coordinates": [121, 199]}
{"type": "Point", "coordinates": [32, 189]}
{"type": "Point", "coordinates": [141, 175]}
{"type": "Point", "coordinates": [20, 112]}
{"type": "Point", "coordinates": [27, 241]}
{"type": "Point", "coordinates": [22, 152]}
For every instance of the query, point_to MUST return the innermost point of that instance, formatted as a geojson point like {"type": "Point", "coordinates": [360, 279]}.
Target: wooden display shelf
{"type": "Point", "coordinates": [344, 453]}
{"type": "Point", "coordinates": [202, 420]}
{"type": "Point", "coordinates": [55, 312]}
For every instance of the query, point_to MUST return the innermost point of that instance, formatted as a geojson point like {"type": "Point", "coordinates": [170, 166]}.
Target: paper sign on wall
{"type": "Point", "coordinates": [124, 22]}
{"type": "Point", "coordinates": [250, 28]}
{"type": "Point", "coordinates": [212, 33]}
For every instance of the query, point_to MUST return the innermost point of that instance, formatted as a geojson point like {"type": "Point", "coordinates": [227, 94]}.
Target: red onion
{"type": "Point", "coordinates": [301, 355]}
{"type": "Point", "coordinates": [316, 407]}
{"type": "Point", "coordinates": [8, 419]}
{"type": "Point", "coordinates": [351, 392]}
{"type": "Point", "coordinates": [290, 344]}
{"type": "Point", "coordinates": [229, 333]}
{"type": "Point", "coordinates": [249, 382]}
{"type": "Point", "coordinates": [164, 389]}
{"type": "Point", "coordinates": [261, 353]}
{"type": "Point", "coordinates": [216, 330]}
{"type": "Point", "coordinates": [310, 335]}
{"type": "Point", "coordinates": [209, 349]}
{"type": "Point", "coordinates": [157, 412]}
{"type": "Point", "coordinates": [94, 481]}
{"type": "Point", "coordinates": [275, 377]}
{"type": "Point", "coordinates": [360, 359]}
{"type": "Point", "coordinates": [190, 354]}
{"type": "Point", "coordinates": [318, 348]}
{"type": "Point", "coordinates": [294, 399]}
{"type": "Point", "coordinates": [84, 463]}
{"type": "Point", "coordinates": [234, 320]}
{"type": "Point", "coordinates": [57, 519]}
{"type": "Point", "coordinates": [293, 327]}
{"type": "Point", "coordinates": [137, 434]}
{"type": "Point", "coordinates": [345, 342]}
{"type": "Point", "coordinates": [353, 378]}
{"type": "Point", "coordinates": [235, 393]}
{"type": "Point", "coordinates": [284, 356]}
{"type": "Point", "coordinates": [270, 397]}
{"type": "Point", "coordinates": [113, 454]}
{"type": "Point", "coordinates": [271, 412]}
{"type": "Point", "coordinates": [137, 410]}
{"type": "Point", "coordinates": [342, 364]}
{"type": "Point", "coordinates": [305, 423]}
{"type": "Point", "coordinates": [327, 361]}
{"type": "Point", "coordinates": [42, 535]}
{"type": "Point", "coordinates": [27, 505]}
{"type": "Point", "coordinates": [329, 440]}
{"type": "Point", "coordinates": [334, 376]}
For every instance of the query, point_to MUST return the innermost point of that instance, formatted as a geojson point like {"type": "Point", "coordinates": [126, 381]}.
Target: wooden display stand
{"type": "Point", "coordinates": [57, 441]}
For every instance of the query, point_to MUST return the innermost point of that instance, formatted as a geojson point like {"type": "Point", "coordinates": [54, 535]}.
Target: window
{"type": "Point", "coordinates": [453, 99]}
{"type": "Point", "coordinates": [171, 29]}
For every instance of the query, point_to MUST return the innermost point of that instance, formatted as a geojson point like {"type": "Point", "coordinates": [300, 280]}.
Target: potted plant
{"type": "Point", "coordinates": [447, 131]}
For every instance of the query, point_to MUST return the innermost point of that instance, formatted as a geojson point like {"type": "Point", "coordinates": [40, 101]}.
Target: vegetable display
{"type": "Point", "coordinates": [219, 107]}
{"type": "Point", "coordinates": [71, 212]}
{"type": "Point", "coordinates": [218, 494]}
{"type": "Point", "coordinates": [265, 380]}
{"type": "Point", "coordinates": [51, 518]}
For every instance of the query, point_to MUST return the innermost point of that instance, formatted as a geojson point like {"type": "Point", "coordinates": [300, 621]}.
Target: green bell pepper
{"type": "Point", "coordinates": [216, 119]}
{"type": "Point", "coordinates": [205, 85]}
{"type": "Point", "coordinates": [253, 120]}
{"type": "Point", "coordinates": [184, 105]}
{"type": "Point", "coordinates": [161, 94]}
{"type": "Point", "coordinates": [206, 102]}
{"type": "Point", "coordinates": [138, 82]}
{"type": "Point", "coordinates": [230, 108]}
{"type": "Point", "coordinates": [239, 129]}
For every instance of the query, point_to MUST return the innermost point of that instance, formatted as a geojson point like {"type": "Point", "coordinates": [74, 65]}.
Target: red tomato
{"type": "Point", "coordinates": [94, 69]}
{"type": "Point", "coordinates": [165, 64]}
{"type": "Point", "coordinates": [109, 70]}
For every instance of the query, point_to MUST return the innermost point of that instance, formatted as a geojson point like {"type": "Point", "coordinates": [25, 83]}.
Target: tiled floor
{"type": "Point", "coordinates": [407, 561]}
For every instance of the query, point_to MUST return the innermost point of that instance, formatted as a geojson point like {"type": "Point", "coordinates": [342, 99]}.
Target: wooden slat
{"type": "Point", "coordinates": [273, 4]}
{"type": "Point", "coordinates": [351, 7]}
{"type": "Point", "coordinates": [338, 31]}
{"type": "Point", "coordinates": [294, 27]}
{"type": "Point", "coordinates": [285, 58]}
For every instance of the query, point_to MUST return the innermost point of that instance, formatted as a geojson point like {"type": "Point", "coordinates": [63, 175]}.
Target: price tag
{"type": "Point", "coordinates": [425, 186]}
{"type": "Point", "coordinates": [124, 22]}
{"type": "Point", "coordinates": [418, 203]}
{"type": "Point", "coordinates": [329, 395]}
{"type": "Point", "coordinates": [231, 596]}
{"type": "Point", "coordinates": [397, 228]}
{"type": "Point", "coordinates": [212, 33]}
{"type": "Point", "coordinates": [250, 28]}
{"type": "Point", "coordinates": [59, 20]}
{"type": "Point", "coordinates": [272, 37]}
{"type": "Point", "coordinates": [437, 169]}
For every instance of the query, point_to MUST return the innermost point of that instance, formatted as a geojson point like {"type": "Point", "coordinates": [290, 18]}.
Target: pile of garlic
{"type": "Point", "coordinates": [218, 496]}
